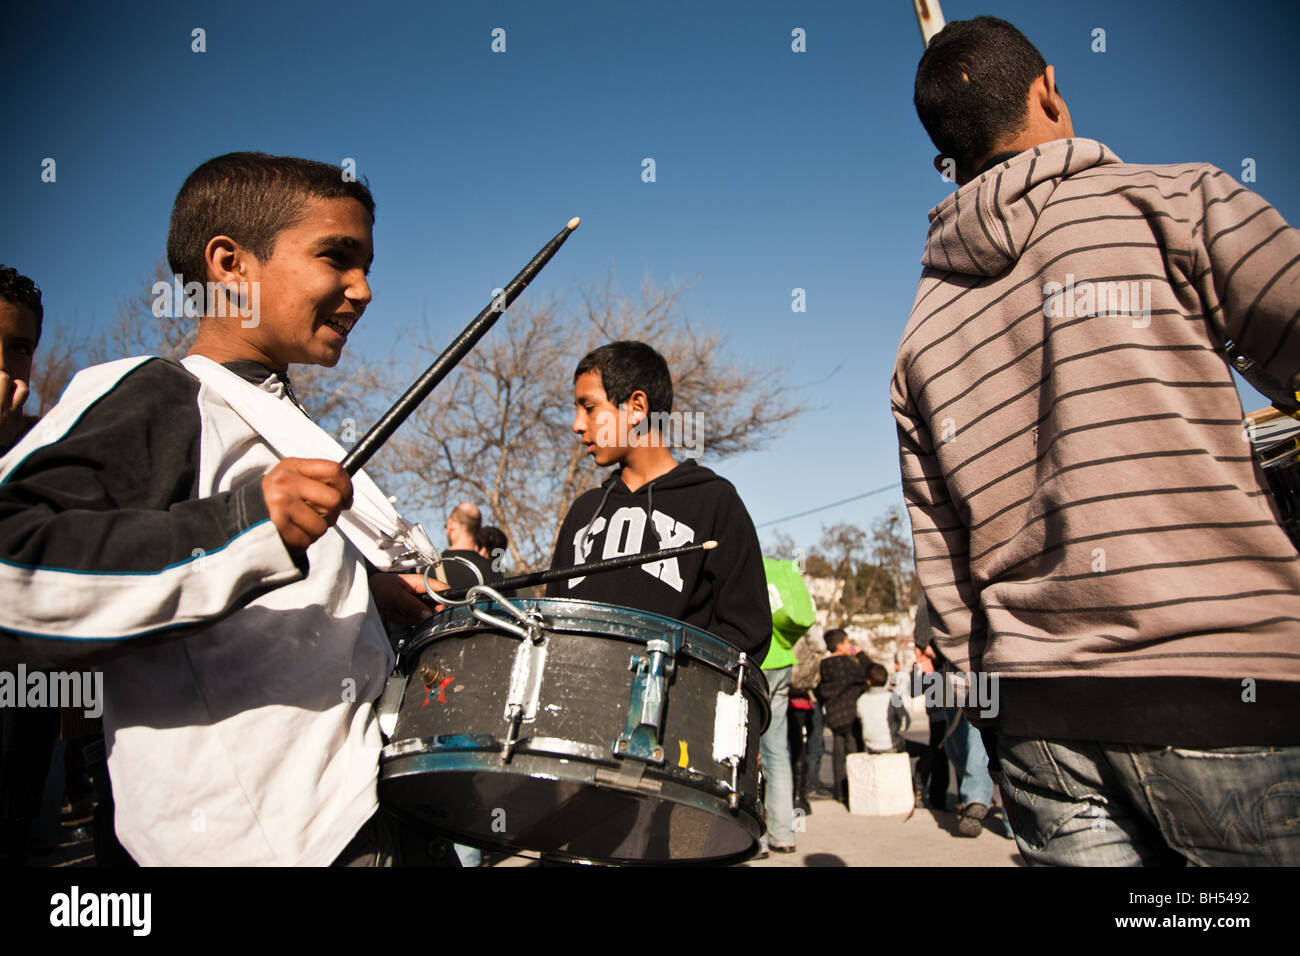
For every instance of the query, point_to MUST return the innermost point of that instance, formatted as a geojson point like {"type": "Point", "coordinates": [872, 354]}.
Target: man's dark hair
{"type": "Point", "coordinates": [834, 638]}
{"type": "Point", "coordinates": [492, 539]}
{"type": "Point", "coordinates": [250, 197]}
{"type": "Point", "coordinates": [626, 367]}
{"type": "Point", "coordinates": [17, 289]}
{"type": "Point", "coordinates": [972, 85]}
{"type": "Point", "coordinates": [877, 676]}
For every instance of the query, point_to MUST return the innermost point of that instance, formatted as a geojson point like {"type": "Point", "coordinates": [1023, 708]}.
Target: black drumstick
{"type": "Point", "coordinates": [448, 360]}
{"type": "Point", "coordinates": [596, 567]}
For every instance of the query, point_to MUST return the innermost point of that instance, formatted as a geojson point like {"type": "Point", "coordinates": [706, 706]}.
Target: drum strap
{"type": "Point", "coordinates": [1275, 390]}
{"type": "Point", "coordinates": [372, 524]}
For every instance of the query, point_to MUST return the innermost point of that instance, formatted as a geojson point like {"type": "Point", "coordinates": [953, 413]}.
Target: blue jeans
{"type": "Point", "coordinates": [1088, 803]}
{"type": "Point", "coordinates": [774, 745]}
{"type": "Point", "coordinates": [816, 746]}
{"type": "Point", "coordinates": [965, 749]}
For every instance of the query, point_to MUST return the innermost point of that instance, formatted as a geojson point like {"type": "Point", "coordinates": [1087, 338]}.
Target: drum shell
{"type": "Point", "coordinates": [564, 791]}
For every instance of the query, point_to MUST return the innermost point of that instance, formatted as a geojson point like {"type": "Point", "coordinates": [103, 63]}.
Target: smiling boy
{"type": "Point", "coordinates": [190, 526]}
{"type": "Point", "coordinates": [653, 502]}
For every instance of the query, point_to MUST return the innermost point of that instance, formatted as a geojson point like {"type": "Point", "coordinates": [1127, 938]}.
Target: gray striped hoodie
{"type": "Point", "coordinates": [1088, 520]}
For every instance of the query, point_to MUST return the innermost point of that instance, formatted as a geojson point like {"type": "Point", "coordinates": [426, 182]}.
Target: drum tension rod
{"type": "Point", "coordinates": [530, 661]}
{"type": "Point", "coordinates": [645, 713]}
{"type": "Point", "coordinates": [730, 732]}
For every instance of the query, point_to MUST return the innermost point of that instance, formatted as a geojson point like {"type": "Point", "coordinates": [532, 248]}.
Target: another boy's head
{"type": "Point", "coordinates": [21, 314]}
{"type": "Point", "coordinates": [877, 676]}
{"type": "Point", "coordinates": [292, 236]}
{"type": "Point", "coordinates": [973, 93]}
{"type": "Point", "coordinates": [617, 389]}
{"type": "Point", "coordinates": [835, 640]}
{"type": "Point", "coordinates": [491, 542]}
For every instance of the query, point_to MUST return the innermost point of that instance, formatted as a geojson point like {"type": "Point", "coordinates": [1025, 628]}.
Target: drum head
{"type": "Point", "coordinates": [563, 792]}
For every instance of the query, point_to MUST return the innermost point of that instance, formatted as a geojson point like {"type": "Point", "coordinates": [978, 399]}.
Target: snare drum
{"type": "Point", "coordinates": [1274, 442]}
{"type": "Point", "coordinates": [584, 731]}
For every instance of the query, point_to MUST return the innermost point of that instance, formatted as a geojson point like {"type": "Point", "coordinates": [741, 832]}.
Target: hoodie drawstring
{"type": "Point", "coordinates": [649, 514]}
{"type": "Point", "coordinates": [586, 532]}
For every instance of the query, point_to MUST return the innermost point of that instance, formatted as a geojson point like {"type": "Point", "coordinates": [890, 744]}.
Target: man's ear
{"type": "Point", "coordinates": [1048, 98]}
{"type": "Point", "coordinates": [233, 268]}
{"type": "Point", "coordinates": [227, 261]}
{"type": "Point", "coordinates": [638, 407]}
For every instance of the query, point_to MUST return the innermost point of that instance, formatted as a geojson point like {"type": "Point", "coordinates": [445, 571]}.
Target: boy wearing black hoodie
{"type": "Point", "coordinates": [623, 391]}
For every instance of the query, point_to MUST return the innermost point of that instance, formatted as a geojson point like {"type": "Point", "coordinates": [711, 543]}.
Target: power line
{"type": "Point", "coordinates": [833, 504]}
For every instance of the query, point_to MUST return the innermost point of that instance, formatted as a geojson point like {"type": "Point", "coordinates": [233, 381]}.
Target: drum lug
{"type": "Point", "coordinates": [731, 731]}
{"type": "Point", "coordinates": [525, 688]}
{"type": "Point", "coordinates": [390, 703]}
{"type": "Point", "coordinates": [645, 713]}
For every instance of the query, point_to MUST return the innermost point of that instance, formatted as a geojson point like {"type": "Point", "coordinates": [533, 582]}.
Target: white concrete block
{"type": "Point", "coordinates": [880, 785]}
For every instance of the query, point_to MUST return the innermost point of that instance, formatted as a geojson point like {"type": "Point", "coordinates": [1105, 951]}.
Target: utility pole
{"type": "Point", "coordinates": [929, 18]}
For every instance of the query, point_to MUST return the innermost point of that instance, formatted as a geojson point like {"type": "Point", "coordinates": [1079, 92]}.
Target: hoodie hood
{"type": "Point", "coordinates": [982, 228]}
{"type": "Point", "coordinates": [686, 473]}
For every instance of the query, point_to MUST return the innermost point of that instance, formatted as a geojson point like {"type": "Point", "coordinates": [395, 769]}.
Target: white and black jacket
{"type": "Point", "coordinates": [238, 682]}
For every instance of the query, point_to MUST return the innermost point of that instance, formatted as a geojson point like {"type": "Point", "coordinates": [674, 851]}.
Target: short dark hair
{"type": "Point", "coordinates": [17, 289]}
{"type": "Point", "coordinates": [492, 539]}
{"type": "Point", "coordinates": [834, 638]}
{"type": "Point", "coordinates": [252, 198]}
{"type": "Point", "coordinates": [877, 676]}
{"type": "Point", "coordinates": [972, 85]}
{"type": "Point", "coordinates": [626, 367]}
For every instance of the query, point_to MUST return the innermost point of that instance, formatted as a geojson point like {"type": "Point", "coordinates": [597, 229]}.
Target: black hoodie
{"type": "Point", "coordinates": [722, 591]}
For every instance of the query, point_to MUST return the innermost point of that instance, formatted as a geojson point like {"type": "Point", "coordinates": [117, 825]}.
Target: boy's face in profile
{"type": "Point", "coordinates": [313, 287]}
{"type": "Point", "coordinates": [598, 422]}
{"type": "Point", "coordinates": [17, 340]}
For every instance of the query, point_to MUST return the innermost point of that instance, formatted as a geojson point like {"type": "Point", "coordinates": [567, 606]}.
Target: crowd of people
{"type": "Point", "coordinates": [836, 687]}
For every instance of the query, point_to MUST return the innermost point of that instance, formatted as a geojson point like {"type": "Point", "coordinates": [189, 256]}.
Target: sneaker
{"type": "Point", "coordinates": [781, 848]}
{"type": "Point", "coordinates": [971, 819]}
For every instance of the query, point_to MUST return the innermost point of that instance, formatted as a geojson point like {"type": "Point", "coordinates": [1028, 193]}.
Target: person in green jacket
{"type": "Point", "coordinates": [792, 614]}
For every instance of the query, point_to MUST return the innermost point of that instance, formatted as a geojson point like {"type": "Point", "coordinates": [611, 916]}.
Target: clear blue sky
{"type": "Point", "coordinates": [775, 169]}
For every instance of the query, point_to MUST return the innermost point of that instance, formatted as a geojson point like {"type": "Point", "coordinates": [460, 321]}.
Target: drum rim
{"type": "Point", "coordinates": [749, 817]}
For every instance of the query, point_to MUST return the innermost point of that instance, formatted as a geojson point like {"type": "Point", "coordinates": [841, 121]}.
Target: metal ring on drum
{"type": "Point", "coordinates": [585, 731]}
{"type": "Point", "coordinates": [443, 559]}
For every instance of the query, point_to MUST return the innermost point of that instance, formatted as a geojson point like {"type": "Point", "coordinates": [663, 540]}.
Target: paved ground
{"type": "Point", "coordinates": [835, 837]}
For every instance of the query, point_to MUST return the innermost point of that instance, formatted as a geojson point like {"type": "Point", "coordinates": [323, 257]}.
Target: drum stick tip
{"type": "Point", "coordinates": [709, 545]}
{"type": "Point", "coordinates": [573, 223]}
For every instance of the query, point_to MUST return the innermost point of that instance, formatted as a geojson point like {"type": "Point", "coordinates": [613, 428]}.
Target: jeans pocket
{"type": "Point", "coordinates": [1044, 800]}
{"type": "Point", "coordinates": [1228, 805]}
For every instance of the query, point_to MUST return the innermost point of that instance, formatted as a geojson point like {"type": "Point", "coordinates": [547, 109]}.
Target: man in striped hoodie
{"type": "Point", "coordinates": [1089, 524]}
